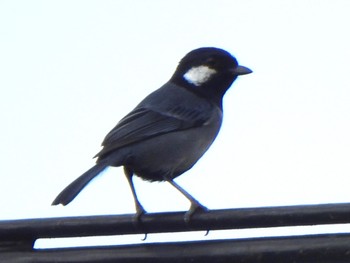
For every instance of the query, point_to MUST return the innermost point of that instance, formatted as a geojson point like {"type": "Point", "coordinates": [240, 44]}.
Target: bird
{"type": "Point", "coordinates": [169, 130]}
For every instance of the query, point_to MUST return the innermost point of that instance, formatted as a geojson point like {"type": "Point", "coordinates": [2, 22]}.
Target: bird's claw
{"type": "Point", "coordinates": [139, 212]}
{"type": "Point", "coordinates": [195, 208]}
{"type": "Point", "coordinates": [137, 218]}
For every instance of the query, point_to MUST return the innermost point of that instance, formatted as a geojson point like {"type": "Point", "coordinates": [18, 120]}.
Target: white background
{"type": "Point", "coordinates": [70, 70]}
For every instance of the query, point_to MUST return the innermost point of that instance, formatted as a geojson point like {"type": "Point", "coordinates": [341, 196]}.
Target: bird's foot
{"type": "Point", "coordinates": [195, 208]}
{"type": "Point", "coordinates": [137, 218]}
{"type": "Point", "coordinates": [139, 212]}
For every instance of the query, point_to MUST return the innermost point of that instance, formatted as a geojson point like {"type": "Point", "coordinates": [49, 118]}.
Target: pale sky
{"type": "Point", "coordinates": [70, 70]}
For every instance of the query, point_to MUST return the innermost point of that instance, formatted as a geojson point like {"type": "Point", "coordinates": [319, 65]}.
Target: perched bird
{"type": "Point", "coordinates": [170, 130]}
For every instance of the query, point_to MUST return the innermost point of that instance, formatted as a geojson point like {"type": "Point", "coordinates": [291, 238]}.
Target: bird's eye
{"type": "Point", "coordinates": [211, 62]}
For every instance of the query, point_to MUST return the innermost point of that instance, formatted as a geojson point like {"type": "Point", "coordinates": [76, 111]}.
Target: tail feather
{"type": "Point", "coordinates": [73, 189]}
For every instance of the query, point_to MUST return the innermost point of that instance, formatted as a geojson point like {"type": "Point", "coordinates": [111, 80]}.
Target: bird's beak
{"type": "Point", "coordinates": [241, 70]}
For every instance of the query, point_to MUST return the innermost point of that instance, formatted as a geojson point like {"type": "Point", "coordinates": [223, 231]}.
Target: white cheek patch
{"type": "Point", "coordinates": [199, 75]}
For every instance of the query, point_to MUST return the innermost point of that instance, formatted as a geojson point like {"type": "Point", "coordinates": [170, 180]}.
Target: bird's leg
{"type": "Point", "coordinates": [195, 205]}
{"type": "Point", "coordinates": [139, 209]}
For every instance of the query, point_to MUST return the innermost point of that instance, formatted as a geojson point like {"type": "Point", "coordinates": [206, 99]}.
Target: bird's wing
{"type": "Point", "coordinates": [144, 123]}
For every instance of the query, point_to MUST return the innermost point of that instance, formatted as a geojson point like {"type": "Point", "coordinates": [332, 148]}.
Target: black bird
{"type": "Point", "coordinates": [170, 130]}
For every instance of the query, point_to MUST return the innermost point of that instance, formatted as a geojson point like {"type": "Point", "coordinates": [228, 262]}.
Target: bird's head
{"type": "Point", "coordinates": [208, 72]}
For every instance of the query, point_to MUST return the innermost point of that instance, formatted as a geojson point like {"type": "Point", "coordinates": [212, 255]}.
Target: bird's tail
{"type": "Point", "coordinates": [73, 189]}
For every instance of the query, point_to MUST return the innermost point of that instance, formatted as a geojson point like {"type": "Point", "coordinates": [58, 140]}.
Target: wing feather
{"type": "Point", "coordinates": [144, 123]}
